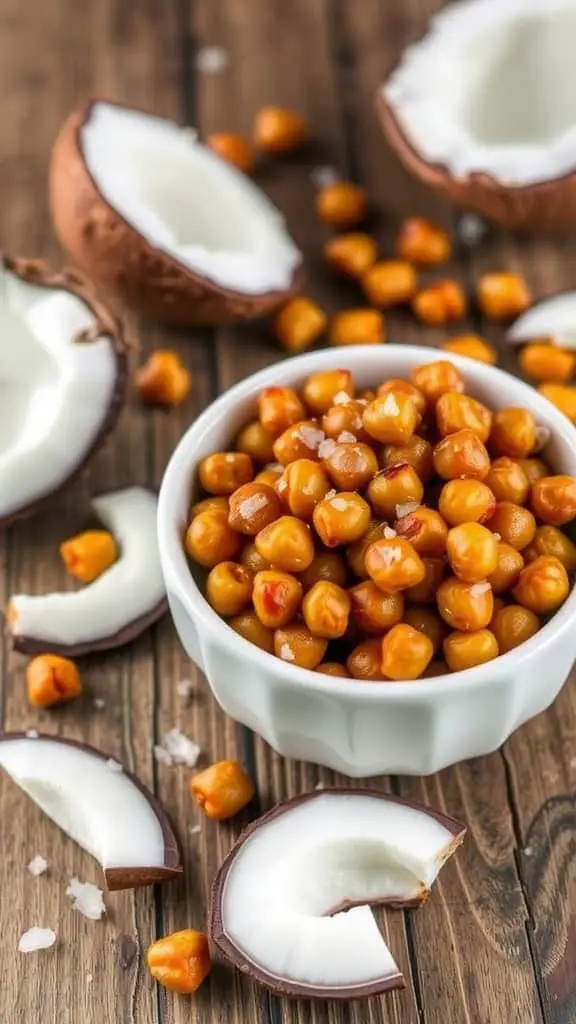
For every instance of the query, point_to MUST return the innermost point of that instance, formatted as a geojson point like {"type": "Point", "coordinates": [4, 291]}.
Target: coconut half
{"type": "Point", "coordinates": [482, 109]}
{"type": "Point", "coordinates": [63, 373]}
{"type": "Point", "coordinates": [99, 804]}
{"type": "Point", "coordinates": [160, 220]}
{"type": "Point", "coordinates": [290, 904]}
{"type": "Point", "coordinates": [552, 319]}
{"type": "Point", "coordinates": [119, 605]}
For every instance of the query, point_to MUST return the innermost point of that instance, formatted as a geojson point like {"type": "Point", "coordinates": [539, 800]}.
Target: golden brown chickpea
{"type": "Point", "coordinates": [356, 553]}
{"type": "Point", "coordinates": [365, 661]}
{"type": "Point", "coordinates": [332, 668]}
{"type": "Point", "coordinates": [229, 588]}
{"type": "Point", "coordinates": [225, 472]}
{"type": "Point", "coordinates": [210, 540]}
{"type": "Point", "coordinates": [233, 148]}
{"type": "Point", "coordinates": [543, 585]}
{"type": "Point", "coordinates": [472, 552]}
{"type": "Point", "coordinates": [218, 505]}
{"type": "Point", "coordinates": [296, 645]}
{"type": "Point", "coordinates": [278, 409]}
{"type": "Point", "coordinates": [252, 560]}
{"type": "Point", "coordinates": [327, 565]}
{"type": "Point", "coordinates": [427, 621]}
{"type": "Point", "coordinates": [302, 485]}
{"type": "Point", "coordinates": [545, 362]}
{"type": "Point", "coordinates": [391, 418]}
{"type": "Point", "coordinates": [515, 524]}
{"type": "Point", "coordinates": [350, 255]}
{"type": "Point", "coordinates": [341, 519]}
{"type": "Point", "coordinates": [436, 379]}
{"type": "Point", "coordinates": [300, 441]}
{"type": "Point", "coordinates": [299, 323]}
{"type": "Point", "coordinates": [276, 597]}
{"type": "Point", "coordinates": [389, 283]}
{"type": "Point", "coordinates": [563, 397]}
{"type": "Point", "coordinates": [252, 507]}
{"type": "Point", "coordinates": [416, 451]}
{"type": "Point", "coordinates": [279, 130]}
{"type": "Point", "coordinates": [321, 388]}
{"type": "Point", "coordinates": [358, 326]}
{"type": "Point", "coordinates": [422, 242]}
{"type": "Point", "coordinates": [553, 499]}
{"type": "Point", "coordinates": [406, 652]}
{"type": "Point", "coordinates": [270, 474]}
{"type": "Point", "coordinates": [341, 204]}
{"type": "Point", "coordinates": [466, 501]}
{"type": "Point", "coordinates": [394, 487]}
{"type": "Point", "coordinates": [465, 606]}
{"type": "Point", "coordinates": [351, 465]}
{"type": "Point", "coordinates": [472, 346]}
{"type": "Point", "coordinates": [404, 387]}
{"type": "Point", "coordinates": [513, 625]}
{"type": "Point", "coordinates": [456, 412]}
{"type": "Point", "coordinates": [248, 625]}
{"type": "Point", "coordinates": [373, 610]}
{"type": "Point", "coordinates": [435, 668]}
{"type": "Point", "coordinates": [345, 418]}
{"type": "Point", "coordinates": [513, 433]}
{"type": "Point", "coordinates": [426, 531]}
{"type": "Point", "coordinates": [254, 440]}
{"type": "Point", "coordinates": [287, 544]}
{"type": "Point", "coordinates": [466, 650]}
{"type": "Point", "coordinates": [461, 455]}
{"type": "Point", "coordinates": [533, 469]}
{"type": "Point", "coordinates": [549, 540]}
{"type": "Point", "coordinates": [425, 591]}
{"type": "Point", "coordinates": [326, 608]}
{"type": "Point", "coordinates": [509, 565]}
{"type": "Point", "coordinates": [508, 481]}
{"type": "Point", "coordinates": [394, 565]}
{"type": "Point", "coordinates": [502, 296]}
{"type": "Point", "coordinates": [440, 303]}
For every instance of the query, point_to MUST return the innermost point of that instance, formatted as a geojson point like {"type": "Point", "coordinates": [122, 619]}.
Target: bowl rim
{"type": "Point", "coordinates": [179, 578]}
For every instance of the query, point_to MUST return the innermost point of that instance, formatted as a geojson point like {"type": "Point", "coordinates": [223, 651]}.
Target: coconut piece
{"type": "Point", "coordinates": [163, 222]}
{"type": "Point", "coordinates": [110, 814]}
{"type": "Point", "coordinates": [87, 899]}
{"type": "Point", "coordinates": [36, 938]}
{"type": "Point", "coordinates": [279, 898]}
{"type": "Point", "coordinates": [553, 318]}
{"type": "Point", "coordinates": [481, 108]}
{"type": "Point", "coordinates": [64, 369]}
{"type": "Point", "coordinates": [37, 865]}
{"type": "Point", "coordinates": [176, 748]}
{"type": "Point", "coordinates": [114, 609]}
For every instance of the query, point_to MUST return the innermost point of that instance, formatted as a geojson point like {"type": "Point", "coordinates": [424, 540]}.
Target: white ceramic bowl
{"type": "Point", "coordinates": [354, 727]}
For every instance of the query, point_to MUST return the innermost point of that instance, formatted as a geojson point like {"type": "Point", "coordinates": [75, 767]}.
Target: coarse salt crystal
{"type": "Point", "coordinates": [162, 756]}
{"type": "Point", "coordinates": [195, 829]}
{"type": "Point", "coordinates": [211, 60]}
{"type": "Point", "coordinates": [184, 689]}
{"type": "Point", "coordinates": [341, 398]}
{"type": "Point", "coordinates": [89, 979]}
{"type": "Point", "coordinates": [176, 748]}
{"type": "Point", "coordinates": [497, 536]}
{"type": "Point", "coordinates": [32, 734]}
{"type": "Point", "coordinates": [87, 899]}
{"type": "Point", "coordinates": [275, 467]}
{"type": "Point", "coordinates": [388, 556]}
{"type": "Point", "coordinates": [114, 766]}
{"type": "Point", "coordinates": [320, 785]}
{"type": "Point", "coordinates": [311, 436]}
{"type": "Point", "coordinates": [406, 508]}
{"type": "Point", "coordinates": [37, 865]}
{"type": "Point", "coordinates": [99, 703]}
{"type": "Point", "coordinates": [326, 448]}
{"type": "Point", "coordinates": [471, 229]}
{"type": "Point", "coordinates": [230, 457]}
{"type": "Point", "coordinates": [340, 504]}
{"type": "Point", "coordinates": [390, 405]}
{"type": "Point", "coordinates": [323, 176]}
{"type": "Point", "coordinates": [330, 494]}
{"type": "Point", "coordinates": [250, 506]}
{"type": "Point", "coordinates": [389, 533]}
{"type": "Point", "coordinates": [357, 423]}
{"type": "Point", "coordinates": [346, 437]}
{"type": "Point", "coordinates": [282, 486]}
{"type": "Point", "coordinates": [477, 589]}
{"type": "Point", "coordinates": [286, 652]}
{"type": "Point", "coordinates": [36, 938]}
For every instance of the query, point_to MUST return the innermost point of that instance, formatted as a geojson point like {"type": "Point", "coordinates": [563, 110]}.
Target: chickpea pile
{"type": "Point", "coordinates": [389, 534]}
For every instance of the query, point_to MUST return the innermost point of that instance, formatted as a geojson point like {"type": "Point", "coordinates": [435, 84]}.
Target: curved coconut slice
{"type": "Point", "coordinates": [278, 898]}
{"type": "Point", "coordinates": [63, 372]}
{"type": "Point", "coordinates": [114, 609]}
{"type": "Point", "coordinates": [553, 319]}
{"type": "Point", "coordinates": [99, 804]}
{"type": "Point", "coordinates": [482, 108]}
{"type": "Point", "coordinates": [153, 215]}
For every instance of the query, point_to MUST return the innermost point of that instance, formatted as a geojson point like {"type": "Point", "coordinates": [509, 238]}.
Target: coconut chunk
{"type": "Point", "coordinates": [553, 318]}
{"type": "Point", "coordinates": [176, 748]}
{"type": "Point", "coordinates": [37, 865]}
{"type": "Point", "coordinates": [184, 689]}
{"type": "Point", "coordinates": [87, 899]}
{"type": "Point", "coordinates": [36, 938]}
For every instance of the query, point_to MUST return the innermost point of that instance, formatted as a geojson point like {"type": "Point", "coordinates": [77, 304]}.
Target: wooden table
{"type": "Point", "coordinates": [497, 942]}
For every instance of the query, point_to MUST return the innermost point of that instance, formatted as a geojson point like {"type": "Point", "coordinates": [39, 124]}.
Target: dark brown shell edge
{"type": "Point", "coordinates": [282, 986]}
{"type": "Point", "coordinates": [107, 248]}
{"type": "Point", "coordinates": [127, 878]}
{"type": "Point", "coordinates": [545, 206]}
{"type": "Point", "coordinates": [38, 272]}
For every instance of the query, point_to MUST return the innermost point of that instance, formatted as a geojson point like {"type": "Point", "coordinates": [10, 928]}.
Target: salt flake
{"type": "Point", "coordinates": [89, 979]}
{"type": "Point", "coordinates": [341, 398]}
{"type": "Point", "coordinates": [326, 448]}
{"type": "Point", "coordinates": [331, 494]}
{"type": "Point", "coordinates": [471, 229]}
{"type": "Point", "coordinates": [184, 689]}
{"type": "Point", "coordinates": [36, 938]}
{"type": "Point", "coordinates": [37, 865]}
{"type": "Point", "coordinates": [390, 405]}
{"type": "Point", "coordinates": [87, 899]}
{"type": "Point", "coordinates": [543, 435]}
{"type": "Point", "coordinates": [406, 508]}
{"type": "Point", "coordinates": [162, 756]}
{"type": "Point", "coordinates": [312, 437]}
{"type": "Point", "coordinates": [32, 734]}
{"type": "Point", "coordinates": [176, 748]}
{"type": "Point", "coordinates": [99, 703]}
{"type": "Point", "coordinates": [389, 533]}
{"type": "Point", "coordinates": [477, 589]}
{"type": "Point", "coordinates": [346, 437]}
{"type": "Point", "coordinates": [195, 829]}
{"type": "Point", "coordinates": [114, 766]}
{"type": "Point", "coordinates": [340, 504]}
{"type": "Point", "coordinates": [286, 652]}
{"type": "Point", "coordinates": [211, 60]}
{"type": "Point", "coordinates": [250, 506]}
{"type": "Point", "coordinates": [319, 786]}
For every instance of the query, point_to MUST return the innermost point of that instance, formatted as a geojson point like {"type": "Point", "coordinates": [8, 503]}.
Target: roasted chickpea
{"type": "Point", "coordinates": [250, 558]}
{"type": "Point", "coordinates": [296, 645]}
{"type": "Point", "coordinates": [373, 610]}
{"type": "Point", "coordinates": [254, 440]}
{"type": "Point", "coordinates": [548, 540]}
{"type": "Point", "coordinates": [543, 585]}
{"type": "Point", "coordinates": [436, 379]}
{"type": "Point", "coordinates": [513, 433]}
{"type": "Point", "coordinates": [326, 608]}
{"type": "Point", "coordinates": [472, 552]}
{"type": "Point", "coordinates": [321, 388]}
{"type": "Point", "coordinates": [300, 441]}
{"type": "Point", "coordinates": [365, 661]}
{"type": "Point", "coordinates": [440, 303]}
{"type": "Point", "coordinates": [248, 625]}
{"type": "Point", "coordinates": [270, 474]}
{"type": "Point", "coordinates": [163, 379]}
{"type": "Point", "coordinates": [225, 472]}
{"type": "Point", "coordinates": [394, 565]}
{"type": "Point", "coordinates": [406, 652]}
{"type": "Point", "coordinates": [553, 499]}
{"type": "Point", "coordinates": [426, 531]}
{"type": "Point", "coordinates": [392, 418]}
{"type": "Point", "coordinates": [425, 591]}
{"type": "Point", "coordinates": [210, 540]}
{"type": "Point", "coordinates": [466, 650]}
{"type": "Point", "coordinates": [180, 961]}
{"type": "Point", "coordinates": [546, 362]}
{"type": "Point", "coordinates": [422, 242]}
{"type": "Point", "coordinates": [299, 323]}
{"type": "Point", "coordinates": [513, 625]}
{"type": "Point", "coordinates": [302, 485]}
{"type": "Point", "coordinates": [332, 668]}
{"type": "Point", "coordinates": [51, 680]}
{"type": "Point", "coordinates": [427, 621]}
{"type": "Point", "coordinates": [341, 519]}
{"type": "Point", "coordinates": [252, 507]}
{"type": "Point", "coordinates": [233, 148]}
{"type": "Point", "coordinates": [461, 455]}
{"type": "Point", "coordinates": [465, 606]}
{"type": "Point", "coordinates": [404, 387]}
{"type": "Point", "coordinates": [341, 204]}
{"type": "Point", "coordinates": [466, 501]}
{"type": "Point", "coordinates": [508, 481]}
{"type": "Point", "coordinates": [279, 130]}
{"type": "Point", "coordinates": [533, 469]}
{"type": "Point", "coordinates": [456, 412]}
{"type": "Point", "coordinates": [416, 451]}
{"type": "Point", "coordinates": [326, 565]}
{"type": "Point", "coordinates": [351, 466]}
{"type": "Point", "coordinates": [472, 346]}
{"type": "Point", "coordinates": [394, 487]}
{"type": "Point", "coordinates": [562, 396]}
{"type": "Point", "coordinates": [278, 409]}
{"type": "Point", "coordinates": [222, 789]}
{"type": "Point", "coordinates": [276, 597]}
{"type": "Point", "coordinates": [217, 505]}
{"type": "Point", "coordinates": [350, 255]}
{"type": "Point", "coordinates": [357, 327]}
{"type": "Point", "coordinates": [389, 283]}
{"type": "Point", "coordinates": [502, 296]}
{"type": "Point", "coordinates": [515, 524]}
{"type": "Point", "coordinates": [509, 565]}
{"type": "Point", "coordinates": [345, 418]}
{"type": "Point", "coordinates": [356, 553]}
{"type": "Point", "coordinates": [287, 544]}
{"type": "Point", "coordinates": [229, 588]}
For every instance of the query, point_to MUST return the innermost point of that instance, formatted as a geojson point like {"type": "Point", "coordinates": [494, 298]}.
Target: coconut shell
{"type": "Point", "coordinates": [121, 261]}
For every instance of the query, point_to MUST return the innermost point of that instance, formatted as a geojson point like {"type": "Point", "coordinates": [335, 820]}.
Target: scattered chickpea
{"type": "Point", "coordinates": [466, 650]}
{"type": "Point", "coordinates": [553, 499]}
{"type": "Point", "coordinates": [209, 539]}
{"type": "Point", "coordinates": [341, 204]}
{"type": "Point", "coordinates": [278, 409]}
{"type": "Point", "coordinates": [248, 625]}
{"type": "Point", "coordinates": [296, 645]}
{"type": "Point", "coordinates": [276, 597]}
{"type": "Point", "coordinates": [422, 242]}
{"type": "Point", "coordinates": [514, 523]}
{"type": "Point", "coordinates": [89, 554]}
{"type": "Point", "coordinates": [391, 418]}
{"type": "Point", "coordinates": [392, 488]}
{"type": "Point", "coordinates": [472, 346]}
{"type": "Point", "coordinates": [427, 621]}
{"type": "Point", "coordinates": [279, 130]}
{"type": "Point", "coordinates": [326, 608]}
{"type": "Point", "coordinates": [416, 452]}
{"type": "Point", "coordinates": [229, 588]}
{"type": "Point", "coordinates": [466, 501]}
{"type": "Point", "coordinates": [252, 507]}
{"type": "Point", "coordinates": [332, 668]}
{"type": "Point", "coordinates": [351, 465]}
{"type": "Point", "coordinates": [298, 324]}
{"type": "Point", "coordinates": [513, 625]}
{"type": "Point", "coordinates": [389, 283]}
{"type": "Point", "coordinates": [163, 379]}
{"type": "Point", "coordinates": [513, 433]}
{"type": "Point", "coordinates": [341, 519]}
{"type": "Point", "coordinates": [394, 565]}
{"type": "Point", "coordinates": [543, 585]}
{"type": "Point", "coordinates": [426, 531]}
{"type": "Point", "coordinates": [233, 148]}
{"type": "Point", "coordinates": [222, 789]}
{"type": "Point", "coordinates": [180, 961]}
{"type": "Point", "coordinates": [406, 652]}
{"type": "Point", "coordinates": [321, 388]}
{"type": "Point", "coordinates": [302, 485]}
{"type": "Point", "coordinates": [563, 397]}
{"type": "Point", "coordinates": [351, 255]}
{"type": "Point", "coordinates": [440, 303]}
{"type": "Point", "coordinates": [373, 610]}
{"type": "Point", "coordinates": [472, 552]}
{"type": "Point", "coordinates": [287, 544]}
{"type": "Point", "coordinates": [549, 540]}
{"type": "Point", "coordinates": [436, 379]}
{"type": "Point", "coordinates": [509, 565]}
{"type": "Point", "coordinates": [508, 481]}
{"type": "Point", "coordinates": [465, 606]}
{"type": "Point", "coordinates": [357, 327]}
{"type": "Point", "coordinates": [256, 442]}
{"type": "Point", "coordinates": [502, 296]}
{"type": "Point", "coordinates": [456, 412]}
{"type": "Point", "coordinates": [224, 472]}
{"type": "Point", "coordinates": [326, 565]}
{"type": "Point", "coordinates": [365, 661]}
{"type": "Point", "coordinates": [545, 362]}
{"type": "Point", "coordinates": [52, 680]}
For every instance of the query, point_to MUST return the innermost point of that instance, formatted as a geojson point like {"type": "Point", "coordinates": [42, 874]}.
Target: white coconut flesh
{"type": "Point", "coordinates": [126, 592]}
{"type": "Point", "coordinates": [186, 201]}
{"type": "Point", "coordinates": [552, 320]}
{"type": "Point", "coordinates": [491, 88]}
{"type": "Point", "coordinates": [287, 879]}
{"type": "Point", "coordinates": [55, 391]}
